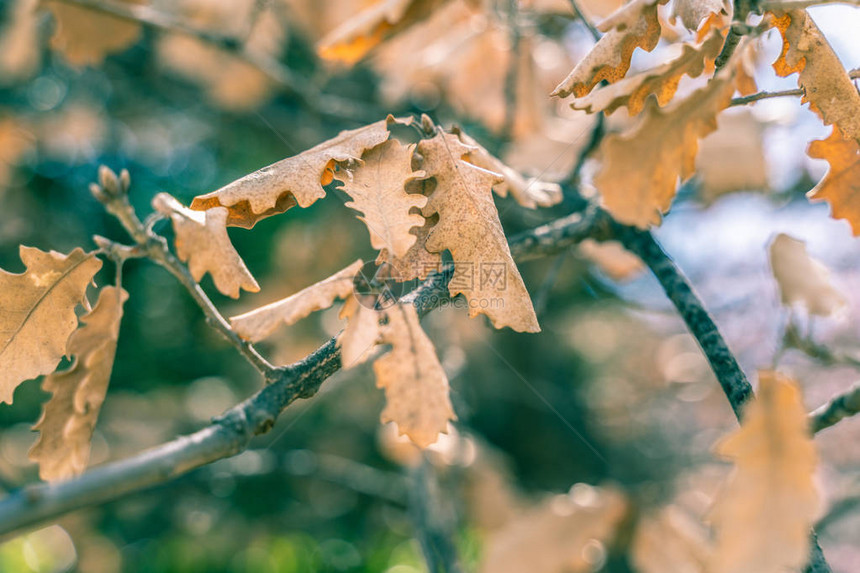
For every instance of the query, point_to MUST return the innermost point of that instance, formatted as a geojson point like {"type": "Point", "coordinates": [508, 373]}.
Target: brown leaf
{"type": "Point", "coordinates": [377, 188]}
{"type": "Point", "coordinates": [261, 322]}
{"type": "Point", "coordinates": [766, 510]}
{"type": "Point", "coordinates": [528, 193]}
{"type": "Point", "coordinates": [801, 278]}
{"type": "Point", "coordinates": [661, 81]}
{"type": "Point", "coordinates": [418, 262]}
{"type": "Point", "coordinates": [85, 37]}
{"type": "Point", "coordinates": [694, 12]}
{"type": "Point", "coordinates": [634, 25]}
{"type": "Point", "coordinates": [416, 387]}
{"type": "Point", "coordinates": [69, 416]}
{"type": "Point", "coordinates": [37, 313]}
{"type": "Point", "coordinates": [826, 85]}
{"type": "Point", "coordinates": [294, 180]}
{"type": "Point", "coordinates": [550, 537]}
{"type": "Point", "coordinates": [841, 185]}
{"type": "Point", "coordinates": [351, 41]}
{"type": "Point", "coordinates": [202, 242]}
{"type": "Point", "coordinates": [470, 229]}
{"type": "Point", "coordinates": [361, 333]}
{"type": "Point", "coordinates": [641, 167]}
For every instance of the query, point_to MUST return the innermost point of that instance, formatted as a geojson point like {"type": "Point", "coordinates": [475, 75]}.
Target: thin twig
{"type": "Point", "coordinates": [853, 74]}
{"type": "Point", "coordinates": [792, 338]}
{"type": "Point", "coordinates": [703, 328]}
{"type": "Point", "coordinates": [585, 21]}
{"type": "Point", "coordinates": [231, 432]}
{"type": "Point", "coordinates": [154, 247]}
{"type": "Point", "coordinates": [764, 95]}
{"type": "Point", "coordinates": [837, 409]}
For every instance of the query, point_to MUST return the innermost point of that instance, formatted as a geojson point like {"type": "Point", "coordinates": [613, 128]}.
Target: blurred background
{"type": "Point", "coordinates": [599, 429]}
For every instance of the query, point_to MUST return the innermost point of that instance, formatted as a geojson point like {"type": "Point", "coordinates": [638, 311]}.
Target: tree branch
{"type": "Point", "coordinates": [232, 432]}
{"type": "Point", "coordinates": [113, 195]}
{"type": "Point", "coordinates": [837, 409]}
{"type": "Point", "coordinates": [703, 328]}
{"type": "Point", "coordinates": [853, 74]}
{"type": "Point", "coordinates": [700, 323]}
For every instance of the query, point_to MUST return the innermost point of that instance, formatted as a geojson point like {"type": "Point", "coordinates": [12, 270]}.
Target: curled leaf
{"type": "Point", "coordinates": [641, 168]}
{"type": "Point", "coordinates": [634, 25]}
{"type": "Point", "coordinates": [202, 242]}
{"type": "Point", "coordinates": [296, 180]}
{"type": "Point", "coordinates": [351, 41]}
{"type": "Point", "coordinates": [69, 417]}
{"type": "Point", "coordinates": [661, 81]}
{"type": "Point", "coordinates": [261, 322]}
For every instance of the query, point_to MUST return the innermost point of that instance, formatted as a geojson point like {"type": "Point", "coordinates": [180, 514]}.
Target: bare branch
{"type": "Point", "coordinates": [231, 433]}
{"type": "Point", "coordinates": [853, 74]}
{"type": "Point", "coordinates": [585, 21]}
{"type": "Point", "coordinates": [837, 409]}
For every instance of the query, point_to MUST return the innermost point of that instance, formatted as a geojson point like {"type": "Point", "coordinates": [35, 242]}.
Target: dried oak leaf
{"type": "Point", "coordinates": [470, 229]}
{"type": "Point", "coordinates": [826, 85]}
{"type": "Point", "coordinates": [634, 25]}
{"type": "Point", "coordinates": [416, 387]}
{"type": "Point", "coordinates": [377, 187]}
{"type": "Point", "coordinates": [37, 312]}
{"type": "Point", "coordinates": [294, 180]}
{"type": "Point", "coordinates": [771, 491]}
{"type": "Point", "coordinates": [661, 81]}
{"type": "Point", "coordinates": [351, 41]}
{"type": "Point", "coordinates": [529, 193]}
{"type": "Point", "coordinates": [69, 416]}
{"type": "Point", "coordinates": [202, 242]}
{"type": "Point", "coordinates": [693, 13]}
{"type": "Point", "coordinates": [261, 322]}
{"type": "Point", "coordinates": [417, 262]}
{"type": "Point", "coordinates": [361, 334]}
{"type": "Point", "coordinates": [841, 185]}
{"type": "Point", "coordinates": [801, 278]}
{"type": "Point", "coordinates": [85, 37]}
{"type": "Point", "coordinates": [641, 167]}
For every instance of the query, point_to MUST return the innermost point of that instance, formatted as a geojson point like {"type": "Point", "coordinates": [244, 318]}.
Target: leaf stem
{"type": "Point", "coordinates": [154, 247]}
